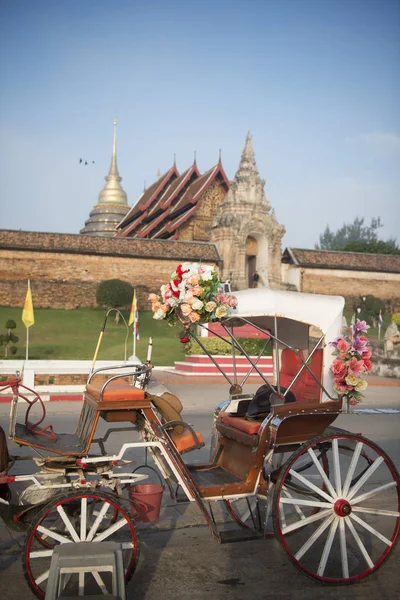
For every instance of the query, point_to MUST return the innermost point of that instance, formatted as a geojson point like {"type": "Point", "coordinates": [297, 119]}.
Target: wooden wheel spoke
{"type": "Point", "coordinates": [68, 524]}
{"type": "Point", "coordinates": [352, 468]}
{"type": "Point", "coordinates": [343, 549]}
{"type": "Point", "coordinates": [43, 577]}
{"type": "Point", "coordinates": [99, 518]}
{"type": "Point", "coordinates": [373, 492]}
{"type": "Point", "coordinates": [305, 547]}
{"type": "Point", "coordinates": [112, 529]}
{"type": "Point", "coordinates": [310, 485]}
{"type": "Point", "coordinates": [359, 543]}
{"type": "Point", "coordinates": [371, 469]}
{"type": "Point", "coordinates": [328, 546]}
{"type": "Point", "coordinates": [321, 471]}
{"type": "Point", "coordinates": [377, 511]}
{"type": "Point", "coordinates": [307, 521]}
{"type": "Point", "coordinates": [371, 529]}
{"type": "Point", "coordinates": [54, 535]}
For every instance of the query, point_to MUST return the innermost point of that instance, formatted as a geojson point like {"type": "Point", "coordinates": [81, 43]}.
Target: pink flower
{"type": "Point", "coordinates": [366, 354]}
{"type": "Point", "coordinates": [232, 301]}
{"type": "Point", "coordinates": [194, 316]}
{"type": "Point", "coordinates": [355, 366]}
{"type": "Point", "coordinates": [186, 309]}
{"type": "Point", "coordinates": [196, 290]}
{"type": "Point", "coordinates": [343, 346]}
{"type": "Point", "coordinates": [194, 279]}
{"type": "Point", "coordinates": [220, 298]}
{"type": "Point", "coordinates": [339, 369]}
{"type": "Point", "coordinates": [367, 364]}
{"type": "Point", "coordinates": [340, 385]}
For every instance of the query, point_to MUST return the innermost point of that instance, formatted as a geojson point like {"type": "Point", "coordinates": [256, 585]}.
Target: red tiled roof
{"type": "Point", "coordinates": [178, 201]}
{"type": "Point", "coordinates": [127, 225]}
{"type": "Point", "coordinates": [28, 241]}
{"type": "Point", "coordinates": [333, 259]}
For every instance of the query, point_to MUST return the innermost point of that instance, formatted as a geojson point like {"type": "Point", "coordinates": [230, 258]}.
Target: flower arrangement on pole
{"type": "Point", "coordinates": [352, 363]}
{"type": "Point", "coordinates": [192, 296]}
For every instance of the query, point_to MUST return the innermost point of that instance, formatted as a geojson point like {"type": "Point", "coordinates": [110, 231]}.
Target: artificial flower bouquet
{"type": "Point", "coordinates": [192, 296]}
{"type": "Point", "coordinates": [353, 361]}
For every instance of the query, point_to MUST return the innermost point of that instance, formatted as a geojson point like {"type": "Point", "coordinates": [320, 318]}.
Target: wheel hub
{"type": "Point", "coordinates": [342, 508]}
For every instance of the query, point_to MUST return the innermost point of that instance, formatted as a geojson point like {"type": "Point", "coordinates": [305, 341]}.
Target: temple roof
{"type": "Point", "coordinates": [173, 199]}
{"type": "Point", "coordinates": [334, 259]}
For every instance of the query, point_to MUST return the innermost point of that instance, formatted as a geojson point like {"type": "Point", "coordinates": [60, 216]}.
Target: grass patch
{"type": "Point", "coordinates": [73, 335]}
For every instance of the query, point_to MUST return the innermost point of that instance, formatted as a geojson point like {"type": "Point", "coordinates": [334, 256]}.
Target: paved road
{"type": "Point", "coordinates": [180, 560]}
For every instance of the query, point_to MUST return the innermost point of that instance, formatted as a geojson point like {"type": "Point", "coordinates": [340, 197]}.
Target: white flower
{"type": "Point", "coordinates": [172, 301]}
{"type": "Point", "coordinates": [197, 304]}
{"type": "Point", "coordinates": [206, 276]}
{"type": "Point", "coordinates": [361, 385]}
{"type": "Point", "coordinates": [159, 314]}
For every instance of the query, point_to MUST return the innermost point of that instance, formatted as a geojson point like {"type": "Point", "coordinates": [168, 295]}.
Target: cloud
{"type": "Point", "coordinates": [378, 142]}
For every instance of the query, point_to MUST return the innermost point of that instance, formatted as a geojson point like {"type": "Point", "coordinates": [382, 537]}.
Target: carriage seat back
{"type": "Point", "coordinates": [182, 437]}
{"type": "Point", "coordinates": [305, 387]}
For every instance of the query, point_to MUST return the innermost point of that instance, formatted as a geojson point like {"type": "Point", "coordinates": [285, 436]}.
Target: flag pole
{"type": "Point", "coordinates": [27, 343]}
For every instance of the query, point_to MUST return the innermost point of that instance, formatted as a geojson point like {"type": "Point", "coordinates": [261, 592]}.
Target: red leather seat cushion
{"type": "Point", "coordinates": [250, 427]}
{"type": "Point", "coordinates": [115, 390]}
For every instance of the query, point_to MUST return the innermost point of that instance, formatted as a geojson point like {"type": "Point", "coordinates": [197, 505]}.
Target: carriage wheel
{"type": "Point", "coordinates": [255, 512]}
{"type": "Point", "coordinates": [84, 516]}
{"type": "Point", "coordinates": [358, 501]}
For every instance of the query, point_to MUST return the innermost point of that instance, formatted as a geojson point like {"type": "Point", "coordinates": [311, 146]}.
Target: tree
{"type": "Point", "coordinates": [372, 247]}
{"type": "Point", "coordinates": [114, 293]}
{"type": "Point", "coordinates": [9, 338]}
{"type": "Point", "coordinates": [370, 308]}
{"type": "Point", "coordinates": [356, 236]}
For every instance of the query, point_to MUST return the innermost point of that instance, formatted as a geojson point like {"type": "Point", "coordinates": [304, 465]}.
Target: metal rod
{"type": "Point", "coordinates": [194, 336]}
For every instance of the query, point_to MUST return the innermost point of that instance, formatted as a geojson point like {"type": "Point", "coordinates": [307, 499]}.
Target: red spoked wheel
{"type": "Point", "coordinates": [338, 526]}
{"type": "Point", "coordinates": [84, 516]}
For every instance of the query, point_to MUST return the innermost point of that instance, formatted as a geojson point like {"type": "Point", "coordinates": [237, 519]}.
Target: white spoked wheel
{"type": "Point", "coordinates": [81, 517]}
{"type": "Point", "coordinates": [339, 518]}
{"type": "Point", "coordinates": [255, 512]}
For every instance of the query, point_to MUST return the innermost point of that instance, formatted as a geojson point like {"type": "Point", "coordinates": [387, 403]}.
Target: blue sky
{"type": "Point", "coordinates": [315, 81]}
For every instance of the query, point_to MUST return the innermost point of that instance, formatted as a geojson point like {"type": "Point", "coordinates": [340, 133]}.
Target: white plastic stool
{"type": "Point", "coordinates": [83, 558]}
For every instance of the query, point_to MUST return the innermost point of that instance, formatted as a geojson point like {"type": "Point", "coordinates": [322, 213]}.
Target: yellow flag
{"type": "Point", "coordinates": [132, 316]}
{"type": "Point", "coordinates": [28, 317]}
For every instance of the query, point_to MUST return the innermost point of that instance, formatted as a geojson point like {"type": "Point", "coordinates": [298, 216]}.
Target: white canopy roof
{"type": "Point", "coordinates": [324, 312]}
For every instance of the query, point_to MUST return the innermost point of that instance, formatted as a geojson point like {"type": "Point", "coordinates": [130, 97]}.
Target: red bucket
{"type": "Point", "coordinates": [146, 501]}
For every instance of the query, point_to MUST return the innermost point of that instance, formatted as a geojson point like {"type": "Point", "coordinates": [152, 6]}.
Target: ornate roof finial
{"type": "Point", "coordinates": [220, 159]}
{"type": "Point", "coordinates": [113, 168]}
{"type": "Point", "coordinates": [174, 159]}
{"type": "Point", "coordinates": [194, 161]}
{"type": "Point", "coordinates": [144, 186]}
{"type": "Point", "coordinates": [158, 173]}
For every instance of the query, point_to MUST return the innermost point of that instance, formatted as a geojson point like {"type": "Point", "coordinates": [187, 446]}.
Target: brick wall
{"type": "Point", "coordinates": [66, 275]}
{"type": "Point", "coordinates": [351, 283]}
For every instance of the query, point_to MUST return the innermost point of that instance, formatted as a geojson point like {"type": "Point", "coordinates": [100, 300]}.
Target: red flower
{"type": "Point", "coordinates": [185, 339]}
{"type": "Point", "coordinates": [367, 364]}
{"type": "Point", "coordinates": [180, 272]}
{"type": "Point", "coordinates": [339, 369]}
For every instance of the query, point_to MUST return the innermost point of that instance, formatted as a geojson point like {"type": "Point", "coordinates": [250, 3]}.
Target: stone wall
{"type": "Point", "coordinates": [65, 270]}
{"type": "Point", "coordinates": [351, 283]}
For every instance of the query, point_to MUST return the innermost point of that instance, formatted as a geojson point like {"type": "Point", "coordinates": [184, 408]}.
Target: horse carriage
{"type": "Point", "coordinates": [277, 463]}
